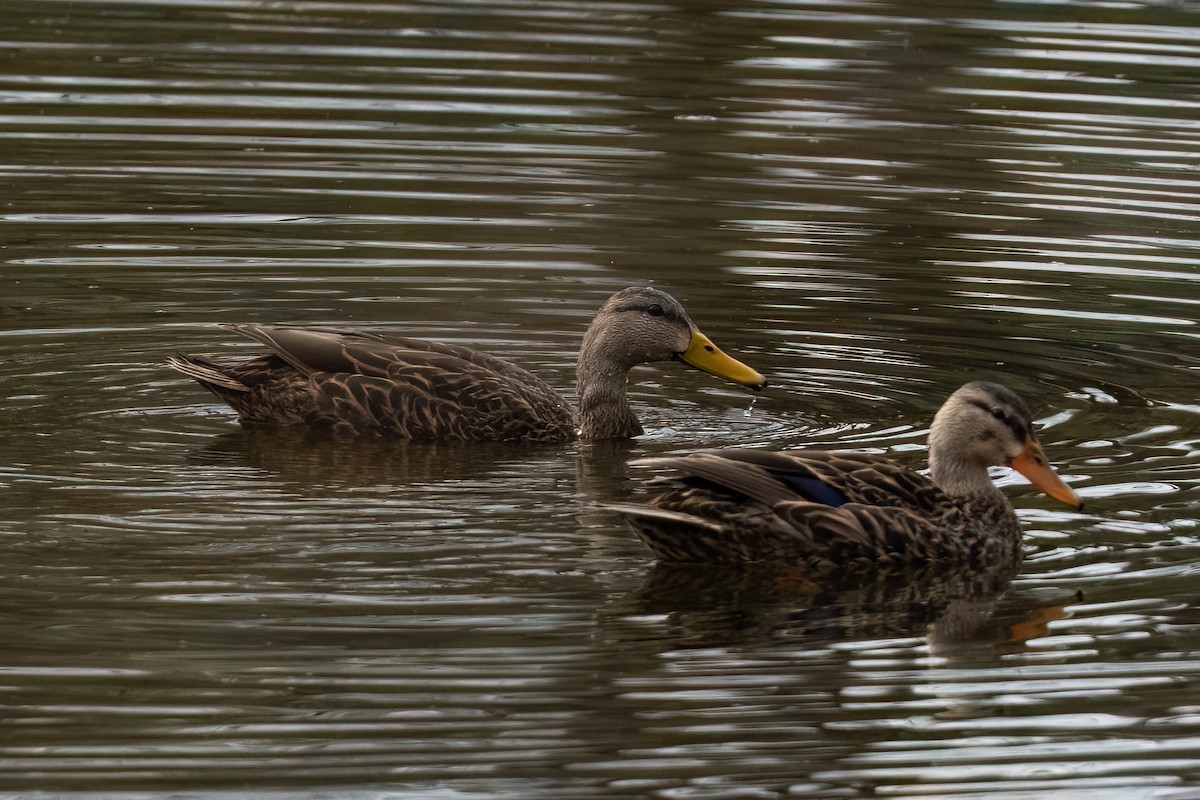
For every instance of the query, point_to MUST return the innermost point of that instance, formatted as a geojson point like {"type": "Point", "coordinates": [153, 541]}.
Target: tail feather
{"type": "Point", "coordinates": [635, 514]}
{"type": "Point", "coordinates": [207, 372]}
{"type": "Point", "coordinates": [673, 536]}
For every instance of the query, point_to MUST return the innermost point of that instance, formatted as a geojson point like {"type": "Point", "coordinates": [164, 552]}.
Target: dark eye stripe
{"type": "Point", "coordinates": [1018, 427]}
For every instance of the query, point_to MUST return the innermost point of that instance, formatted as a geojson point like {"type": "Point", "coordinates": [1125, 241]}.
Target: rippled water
{"type": "Point", "coordinates": [871, 202]}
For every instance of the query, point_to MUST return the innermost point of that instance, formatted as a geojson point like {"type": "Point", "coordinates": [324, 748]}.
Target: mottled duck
{"type": "Point", "coordinates": [825, 511]}
{"type": "Point", "coordinates": [378, 383]}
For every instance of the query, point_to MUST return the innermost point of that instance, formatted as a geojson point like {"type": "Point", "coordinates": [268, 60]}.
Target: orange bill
{"type": "Point", "coordinates": [703, 354]}
{"type": "Point", "coordinates": [1033, 465]}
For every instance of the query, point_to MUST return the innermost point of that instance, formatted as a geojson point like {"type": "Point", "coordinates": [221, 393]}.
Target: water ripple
{"type": "Point", "coordinates": [870, 205]}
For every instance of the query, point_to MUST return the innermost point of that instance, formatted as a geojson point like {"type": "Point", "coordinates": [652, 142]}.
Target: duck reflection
{"type": "Point", "coordinates": [316, 459]}
{"type": "Point", "coordinates": [705, 605]}
{"type": "Point", "coordinates": [956, 614]}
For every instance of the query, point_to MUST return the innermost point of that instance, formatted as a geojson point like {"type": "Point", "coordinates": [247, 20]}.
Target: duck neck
{"type": "Point", "coordinates": [604, 411]}
{"type": "Point", "coordinates": [957, 475]}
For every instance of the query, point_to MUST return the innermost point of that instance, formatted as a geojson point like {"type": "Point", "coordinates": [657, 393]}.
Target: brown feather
{"type": "Point", "coordinates": [733, 509]}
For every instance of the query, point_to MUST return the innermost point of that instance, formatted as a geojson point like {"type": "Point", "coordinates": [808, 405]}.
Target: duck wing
{"type": "Point", "coordinates": [836, 478]}
{"type": "Point", "coordinates": [337, 350]}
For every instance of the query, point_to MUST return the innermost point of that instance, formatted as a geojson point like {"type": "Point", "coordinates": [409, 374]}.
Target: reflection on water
{"type": "Point", "coordinates": [873, 202]}
{"type": "Point", "coordinates": [743, 605]}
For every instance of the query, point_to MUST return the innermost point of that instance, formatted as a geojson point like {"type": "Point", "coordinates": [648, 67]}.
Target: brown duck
{"type": "Point", "coordinates": [359, 382]}
{"type": "Point", "coordinates": [826, 511]}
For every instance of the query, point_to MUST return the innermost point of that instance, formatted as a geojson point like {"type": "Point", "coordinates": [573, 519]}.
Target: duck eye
{"type": "Point", "coordinates": [655, 310]}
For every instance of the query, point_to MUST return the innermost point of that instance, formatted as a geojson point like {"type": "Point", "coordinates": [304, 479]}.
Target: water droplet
{"type": "Point", "coordinates": [750, 410]}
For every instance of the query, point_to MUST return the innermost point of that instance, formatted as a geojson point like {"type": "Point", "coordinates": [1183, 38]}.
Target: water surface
{"type": "Point", "coordinates": [871, 202]}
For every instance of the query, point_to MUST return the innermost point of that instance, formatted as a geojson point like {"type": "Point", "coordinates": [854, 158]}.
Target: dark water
{"type": "Point", "coordinates": [871, 202]}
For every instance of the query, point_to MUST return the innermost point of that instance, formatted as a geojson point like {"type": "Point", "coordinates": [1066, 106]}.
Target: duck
{"type": "Point", "coordinates": [822, 512]}
{"type": "Point", "coordinates": [369, 383]}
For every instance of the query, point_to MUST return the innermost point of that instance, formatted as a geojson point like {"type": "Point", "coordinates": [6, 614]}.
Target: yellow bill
{"type": "Point", "coordinates": [703, 354]}
{"type": "Point", "coordinates": [1032, 464]}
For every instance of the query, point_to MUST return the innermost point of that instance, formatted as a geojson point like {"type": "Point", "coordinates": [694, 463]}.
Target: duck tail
{"type": "Point", "coordinates": [208, 373]}
{"type": "Point", "coordinates": [672, 535]}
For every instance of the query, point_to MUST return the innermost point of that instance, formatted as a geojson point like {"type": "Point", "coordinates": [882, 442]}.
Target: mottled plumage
{"type": "Point", "coordinates": [828, 511]}
{"type": "Point", "coordinates": [357, 382]}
